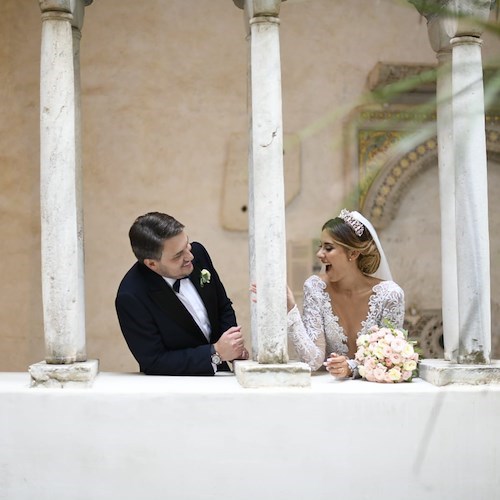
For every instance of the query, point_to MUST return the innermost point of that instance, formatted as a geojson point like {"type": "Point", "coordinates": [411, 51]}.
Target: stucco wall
{"type": "Point", "coordinates": [163, 89]}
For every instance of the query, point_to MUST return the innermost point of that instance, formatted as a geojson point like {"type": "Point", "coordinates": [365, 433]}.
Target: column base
{"type": "Point", "coordinates": [440, 372]}
{"type": "Point", "coordinates": [252, 374]}
{"type": "Point", "coordinates": [74, 375]}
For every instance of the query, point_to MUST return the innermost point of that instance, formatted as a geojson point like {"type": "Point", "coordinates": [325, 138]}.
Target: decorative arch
{"type": "Point", "coordinates": [381, 198]}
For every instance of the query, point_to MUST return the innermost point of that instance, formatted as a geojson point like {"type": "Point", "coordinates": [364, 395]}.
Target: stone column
{"type": "Point", "coordinates": [459, 21]}
{"type": "Point", "coordinates": [78, 9]}
{"type": "Point", "coordinates": [60, 200]}
{"type": "Point", "coordinates": [267, 187]}
{"type": "Point", "coordinates": [267, 205]}
{"type": "Point", "coordinates": [471, 208]}
{"type": "Point", "coordinates": [440, 42]}
{"type": "Point", "coordinates": [251, 206]}
{"type": "Point", "coordinates": [473, 256]}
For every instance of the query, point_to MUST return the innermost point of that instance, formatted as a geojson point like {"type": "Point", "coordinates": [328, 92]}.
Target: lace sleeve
{"type": "Point", "coordinates": [393, 307]}
{"type": "Point", "coordinates": [307, 335]}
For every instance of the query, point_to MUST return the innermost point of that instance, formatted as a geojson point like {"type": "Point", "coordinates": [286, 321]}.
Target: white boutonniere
{"type": "Point", "coordinates": [204, 277]}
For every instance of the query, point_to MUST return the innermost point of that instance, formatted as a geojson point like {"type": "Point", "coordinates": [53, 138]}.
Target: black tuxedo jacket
{"type": "Point", "coordinates": [160, 332]}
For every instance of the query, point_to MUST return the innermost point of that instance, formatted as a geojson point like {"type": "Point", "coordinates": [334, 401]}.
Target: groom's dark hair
{"type": "Point", "coordinates": [149, 232]}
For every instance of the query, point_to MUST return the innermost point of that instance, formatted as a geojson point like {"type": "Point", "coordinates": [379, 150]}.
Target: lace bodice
{"type": "Point", "coordinates": [318, 333]}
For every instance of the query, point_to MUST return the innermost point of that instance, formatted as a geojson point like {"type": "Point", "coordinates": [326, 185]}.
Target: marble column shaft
{"type": "Point", "coordinates": [267, 188]}
{"type": "Point", "coordinates": [60, 203]}
{"type": "Point", "coordinates": [473, 258]}
{"type": "Point", "coordinates": [440, 42]}
{"type": "Point", "coordinates": [77, 23]}
{"type": "Point", "coordinates": [447, 199]}
{"type": "Point", "coordinates": [457, 24]}
{"type": "Point", "coordinates": [251, 209]}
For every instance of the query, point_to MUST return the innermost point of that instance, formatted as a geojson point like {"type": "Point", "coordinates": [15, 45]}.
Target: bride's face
{"type": "Point", "coordinates": [333, 256]}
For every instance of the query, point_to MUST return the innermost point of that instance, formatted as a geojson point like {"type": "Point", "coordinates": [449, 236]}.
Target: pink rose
{"type": "Point", "coordinates": [389, 338]}
{"type": "Point", "coordinates": [399, 334]}
{"type": "Point", "coordinates": [369, 375]}
{"type": "Point", "coordinates": [370, 363]}
{"type": "Point", "coordinates": [360, 354]}
{"type": "Point", "coordinates": [394, 374]}
{"type": "Point", "coordinates": [387, 351]}
{"type": "Point", "coordinates": [398, 344]}
{"type": "Point", "coordinates": [396, 358]}
{"type": "Point", "coordinates": [379, 373]}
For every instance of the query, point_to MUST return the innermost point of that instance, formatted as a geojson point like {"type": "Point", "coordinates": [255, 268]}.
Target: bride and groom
{"type": "Point", "coordinates": [177, 319]}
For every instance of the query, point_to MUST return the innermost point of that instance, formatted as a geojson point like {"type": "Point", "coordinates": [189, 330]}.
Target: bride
{"type": "Point", "coordinates": [354, 292]}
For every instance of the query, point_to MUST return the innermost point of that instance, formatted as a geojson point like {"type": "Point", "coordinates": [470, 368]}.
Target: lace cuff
{"type": "Point", "coordinates": [293, 316]}
{"type": "Point", "coordinates": [307, 351]}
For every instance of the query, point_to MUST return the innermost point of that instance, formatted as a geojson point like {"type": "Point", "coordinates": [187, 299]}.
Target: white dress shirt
{"type": "Point", "coordinates": [189, 296]}
{"type": "Point", "coordinates": [191, 299]}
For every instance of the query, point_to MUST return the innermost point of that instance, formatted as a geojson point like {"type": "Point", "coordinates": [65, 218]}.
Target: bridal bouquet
{"type": "Point", "coordinates": [386, 355]}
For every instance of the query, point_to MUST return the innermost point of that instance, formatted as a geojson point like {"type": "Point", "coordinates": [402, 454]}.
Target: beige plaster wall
{"type": "Point", "coordinates": [163, 89]}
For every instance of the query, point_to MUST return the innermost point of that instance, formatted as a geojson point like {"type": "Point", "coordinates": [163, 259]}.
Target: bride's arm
{"type": "Point", "coordinates": [393, 307]}
{"type": "Point", "coordinates": [307, 334]}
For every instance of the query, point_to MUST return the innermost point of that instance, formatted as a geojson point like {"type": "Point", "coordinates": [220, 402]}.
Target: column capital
{"type": "Point", "coordinates": [459, 17]}
{"type": "Point", "coordinates": [78, 10]}
{"type": "Point", "coordinates": [430, 8]}
{"type": "Point", "coordinates": [260, 7]}
{"type": "Point", "coordinates": [438, 35]}
{"type": "Point", "coordinates": [74, 7]}
{"type": "Point", "coordinates": [55, 5]}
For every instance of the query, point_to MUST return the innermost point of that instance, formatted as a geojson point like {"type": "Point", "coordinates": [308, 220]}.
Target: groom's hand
{"type": "Point", "coordinates": [231, 345]}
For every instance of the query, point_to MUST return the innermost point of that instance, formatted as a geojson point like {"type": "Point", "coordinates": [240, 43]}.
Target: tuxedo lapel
{"type": "Point", "coordinates": [207, 296]}
{"type": "Point", "coordinates": [163, 295]}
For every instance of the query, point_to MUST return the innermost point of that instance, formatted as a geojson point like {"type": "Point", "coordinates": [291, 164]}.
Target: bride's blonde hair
{"type": "Point", "coordinates": [343, 234]}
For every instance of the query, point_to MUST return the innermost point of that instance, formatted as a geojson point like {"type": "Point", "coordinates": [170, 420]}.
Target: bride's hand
{"type": "Point", "coordinates": [253, 292]}
{"type": "Point", "coordinates": [337, 366]}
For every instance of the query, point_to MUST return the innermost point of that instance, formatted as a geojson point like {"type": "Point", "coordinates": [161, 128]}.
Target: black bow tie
{"type": "Point", "coordinates": [177, 284]}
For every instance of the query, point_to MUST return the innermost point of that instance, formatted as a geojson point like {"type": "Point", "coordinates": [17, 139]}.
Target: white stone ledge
{"type": "Point", "coordinates": [227, 383]}
{"type": "Point", "coordinates": [441, 373]}
{"type": "Point", "coordinates": [134, 436]}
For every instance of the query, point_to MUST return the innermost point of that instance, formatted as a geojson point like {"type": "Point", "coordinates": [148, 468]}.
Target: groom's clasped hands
{"type": "Point", "coordinates": [231, 345]}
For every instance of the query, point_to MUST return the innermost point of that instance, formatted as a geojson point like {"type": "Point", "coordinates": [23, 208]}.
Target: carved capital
{"type": "Point", "coordinates": [55, 5]}
{"type": "Point", "coordinates": [430, 8]}
{"type": "Point", "coordinates": [459, 17]}
{"type": "Point", "coordinates": [77, 9]}
{"type": "Point", "coordinates": [467, 17]}
{"type": "Point", "coordinates": [438, 34]}
{"type": "Point", "coordinates": [257, 8]}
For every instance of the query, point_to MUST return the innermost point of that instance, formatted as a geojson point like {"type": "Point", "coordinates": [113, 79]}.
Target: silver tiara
{"type": "Point", "coordinates": [357, 226]}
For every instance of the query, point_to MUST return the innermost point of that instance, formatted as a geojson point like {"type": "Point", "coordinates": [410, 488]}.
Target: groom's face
{"type": "Point", "coordinates": [176, 258]}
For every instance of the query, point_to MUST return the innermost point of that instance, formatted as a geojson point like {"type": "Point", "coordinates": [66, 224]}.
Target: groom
{"type": "Point", "coordinates": [172, 307]}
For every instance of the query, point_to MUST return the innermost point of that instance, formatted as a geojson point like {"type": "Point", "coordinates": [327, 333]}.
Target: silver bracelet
{"type": "Point", "coordinates": [353, 365]}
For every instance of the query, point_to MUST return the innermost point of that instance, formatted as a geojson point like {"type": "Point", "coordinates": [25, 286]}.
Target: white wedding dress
{"type": "Point", "coordinates": [318, 333]}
